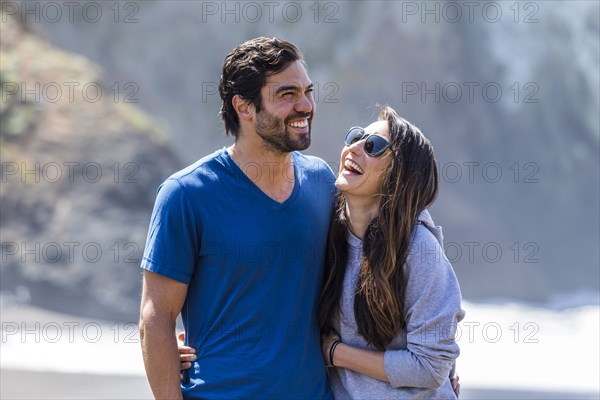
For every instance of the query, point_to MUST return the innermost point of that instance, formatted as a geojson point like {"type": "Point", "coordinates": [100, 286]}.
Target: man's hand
{"type": "Point", "coordinates": [455, 385]}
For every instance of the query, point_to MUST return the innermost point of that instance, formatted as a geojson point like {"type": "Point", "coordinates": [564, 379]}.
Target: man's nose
{"type": "Point", "coordinates": [305, 104]}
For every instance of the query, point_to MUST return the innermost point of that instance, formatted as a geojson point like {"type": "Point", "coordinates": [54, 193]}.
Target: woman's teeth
{"type": "Point", "coordinates": [353, 167]}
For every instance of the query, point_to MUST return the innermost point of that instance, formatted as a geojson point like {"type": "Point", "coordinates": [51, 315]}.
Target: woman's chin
{"type": "Point", "coordinates": [348, 181]}
{"type": "Point", "coordinates": [341, 183]}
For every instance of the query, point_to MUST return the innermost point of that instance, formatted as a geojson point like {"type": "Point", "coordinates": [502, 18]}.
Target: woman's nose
{"type": "Point", "coordinates": [357, 146]}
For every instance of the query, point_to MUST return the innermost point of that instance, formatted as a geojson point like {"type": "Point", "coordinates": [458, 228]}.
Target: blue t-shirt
{"type": "Point", "coordinates": [254, 269]}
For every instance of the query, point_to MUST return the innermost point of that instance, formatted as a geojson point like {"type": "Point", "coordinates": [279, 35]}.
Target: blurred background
{"type": "Point", "coordinates": [103, 100]}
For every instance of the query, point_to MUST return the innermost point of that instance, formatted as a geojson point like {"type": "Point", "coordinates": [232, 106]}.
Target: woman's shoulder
{"type": "Point", "coordinates": [427, 245]}
{"type": "Point", "coordinates": [426, 231]}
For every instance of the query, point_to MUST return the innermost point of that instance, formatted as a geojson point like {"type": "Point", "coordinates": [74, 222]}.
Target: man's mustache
{"type": "Point", "coordinates": [299, 116]}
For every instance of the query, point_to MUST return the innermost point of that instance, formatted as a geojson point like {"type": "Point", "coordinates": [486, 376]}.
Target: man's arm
{"type": "Point", "coordinates": [162, 300]}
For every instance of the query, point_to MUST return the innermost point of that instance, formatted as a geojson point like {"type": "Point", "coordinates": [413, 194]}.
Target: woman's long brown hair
{"type": "Point", "coordinates": [410, 185]}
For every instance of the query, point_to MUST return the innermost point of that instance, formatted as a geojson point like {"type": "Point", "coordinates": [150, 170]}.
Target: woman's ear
{"type": "Point", "coordinates": [243, 107]}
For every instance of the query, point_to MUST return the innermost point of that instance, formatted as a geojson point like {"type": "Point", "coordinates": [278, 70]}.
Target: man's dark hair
{"type": "Point", "coordinates": [245, 72]}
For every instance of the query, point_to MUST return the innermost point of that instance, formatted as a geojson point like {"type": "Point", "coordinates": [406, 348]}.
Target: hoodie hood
{"type": "Point", "coordinates": [425, 220]}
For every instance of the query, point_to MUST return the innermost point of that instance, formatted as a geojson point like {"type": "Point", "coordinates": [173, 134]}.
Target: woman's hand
{"type": "Point", "coordinates": [187, 355]}
{"type": "Point", "coordinates": [326, 342]}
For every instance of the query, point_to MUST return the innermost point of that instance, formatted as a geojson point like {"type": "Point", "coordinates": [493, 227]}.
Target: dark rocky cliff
{"type": "Point", "coordinates": [79, 176]}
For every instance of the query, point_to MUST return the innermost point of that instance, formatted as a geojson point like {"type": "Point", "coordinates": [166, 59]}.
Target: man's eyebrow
{"type": "Point", "coordinates": [292, 88]}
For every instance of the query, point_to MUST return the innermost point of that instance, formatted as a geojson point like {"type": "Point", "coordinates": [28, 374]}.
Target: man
{"type": "Point", "coordinates": [237, 243]}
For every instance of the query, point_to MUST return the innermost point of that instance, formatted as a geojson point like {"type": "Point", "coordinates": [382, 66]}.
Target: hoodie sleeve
{"type": "Point", "coordinates": [433, 312]}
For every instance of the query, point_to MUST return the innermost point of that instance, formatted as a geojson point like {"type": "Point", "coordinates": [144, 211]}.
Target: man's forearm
{"type": "Point", "coordinates": [161, 358]}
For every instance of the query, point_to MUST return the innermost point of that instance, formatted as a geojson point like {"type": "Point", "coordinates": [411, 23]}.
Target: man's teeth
{"type": "Point", "coordinates": [299, 124]}
{"type": "Point", "coordinates": [349, 164]}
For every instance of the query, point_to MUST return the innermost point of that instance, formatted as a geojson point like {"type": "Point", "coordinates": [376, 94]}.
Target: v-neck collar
{"type": "Point", "coordinates": [255, 189]}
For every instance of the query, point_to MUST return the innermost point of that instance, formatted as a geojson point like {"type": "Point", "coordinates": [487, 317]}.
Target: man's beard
{"type": "Point", "coordinates": [274, 131]}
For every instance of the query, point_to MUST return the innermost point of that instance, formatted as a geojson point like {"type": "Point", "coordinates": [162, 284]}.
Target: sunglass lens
{"type": "Point", "coordinates": [354, 135]}
{"type": "Point", "coordinates": [375, 145]}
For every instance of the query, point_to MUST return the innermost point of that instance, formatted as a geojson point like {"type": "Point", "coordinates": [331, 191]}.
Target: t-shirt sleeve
{"type": "Point", "coordinates": [171, 245]}
{"type": "Point", "coordinates": [433, 312]}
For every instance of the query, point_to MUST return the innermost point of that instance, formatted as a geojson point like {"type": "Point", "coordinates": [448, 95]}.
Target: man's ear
{"type": "Point", "coordinates": [243, 107]}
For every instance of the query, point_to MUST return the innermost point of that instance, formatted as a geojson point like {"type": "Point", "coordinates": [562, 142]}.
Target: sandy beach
{"type": "Point", "coordinates": [49, 355]}
{"type": "Point", "coordinates": [21, 384]}
{"type": "Point", "coordinates": [17, 384]}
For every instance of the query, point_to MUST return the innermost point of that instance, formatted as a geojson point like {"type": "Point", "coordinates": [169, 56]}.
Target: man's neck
{"type": "Point", "coordinates": [272, 171]}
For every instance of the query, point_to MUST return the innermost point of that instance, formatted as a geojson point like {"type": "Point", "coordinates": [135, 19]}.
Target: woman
{"type": "Point", "coordinates": [391, 301]}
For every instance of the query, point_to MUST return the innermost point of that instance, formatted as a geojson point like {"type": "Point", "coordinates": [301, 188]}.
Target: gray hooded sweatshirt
{"type": "Point", "coordinates": [418, 361]}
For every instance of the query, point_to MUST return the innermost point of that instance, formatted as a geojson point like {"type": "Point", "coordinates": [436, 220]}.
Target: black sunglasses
{"type": "Point", "coordinates": [375, 145]}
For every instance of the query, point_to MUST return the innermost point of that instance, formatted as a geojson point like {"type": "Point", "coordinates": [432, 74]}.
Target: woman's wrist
{"type": "Point", "coordinates": [332, 348]}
